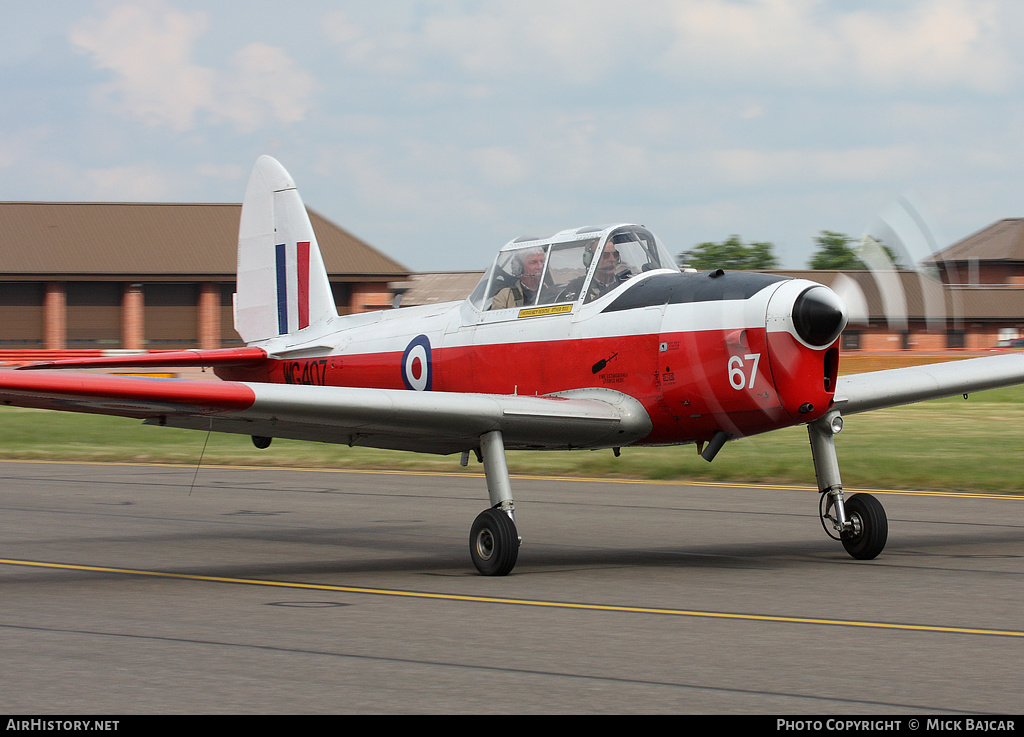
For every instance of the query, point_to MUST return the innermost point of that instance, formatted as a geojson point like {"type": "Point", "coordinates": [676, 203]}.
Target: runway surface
{"type": "Point", "coordinates": [124, 590]}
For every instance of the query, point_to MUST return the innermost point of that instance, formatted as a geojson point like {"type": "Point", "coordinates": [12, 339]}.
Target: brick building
{"type": "Point", "coordinates": [994, 256]}
{"type": "Point", "coordinates": [134, 276]}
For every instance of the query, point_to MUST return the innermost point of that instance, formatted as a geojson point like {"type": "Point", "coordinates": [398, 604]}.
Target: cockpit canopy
{"type": "Point", "coordinates": [570, 266]}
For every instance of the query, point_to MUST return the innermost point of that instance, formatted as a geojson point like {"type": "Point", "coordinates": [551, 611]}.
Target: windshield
{"type": "Point", "coordinates": [566, 270]}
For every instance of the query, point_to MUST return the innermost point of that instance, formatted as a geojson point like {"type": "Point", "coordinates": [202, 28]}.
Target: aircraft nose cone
{"type": "Point", "coordinates": [819, 316]}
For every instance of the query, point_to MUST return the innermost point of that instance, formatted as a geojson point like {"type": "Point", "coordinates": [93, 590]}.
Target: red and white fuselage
{"type": "Point", "coordinates": [734, 352]}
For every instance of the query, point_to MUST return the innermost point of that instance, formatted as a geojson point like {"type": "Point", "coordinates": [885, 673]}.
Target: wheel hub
{"type": "Point", "coordinates": [855, 526]}
{"type": "Point", "coordinates": [485, 544]}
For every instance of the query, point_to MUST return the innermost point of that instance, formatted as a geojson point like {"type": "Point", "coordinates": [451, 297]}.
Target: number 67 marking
{"type": "Point", "coordinates": [737, 378]}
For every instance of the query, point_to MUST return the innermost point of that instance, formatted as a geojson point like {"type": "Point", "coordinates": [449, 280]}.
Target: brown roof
{"type": "Point", "coordinates": [155, 239]}
{"type": "Point", "coordinates": [441, 286]}
{"type": "Point", "coordinates": [974, 303]}
{"type": "Point", "coordinates": [1000, 241]}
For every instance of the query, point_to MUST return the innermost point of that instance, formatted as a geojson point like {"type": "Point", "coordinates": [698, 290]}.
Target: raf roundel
{"type": "Point", "coordinates": [417, 366]}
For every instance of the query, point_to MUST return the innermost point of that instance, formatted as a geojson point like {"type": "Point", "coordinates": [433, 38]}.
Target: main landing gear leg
{"type": "Point", "coordinates": [493, 539]}
{"type": "Point", "coordinates": [859, 520]}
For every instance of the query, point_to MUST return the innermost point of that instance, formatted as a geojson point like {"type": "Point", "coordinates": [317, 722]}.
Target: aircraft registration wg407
{"type": "Point", "coordinates": [588, 338]}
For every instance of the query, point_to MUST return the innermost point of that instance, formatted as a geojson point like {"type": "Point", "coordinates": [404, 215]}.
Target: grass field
{"type": "Point", "coordinates": [954, 444]}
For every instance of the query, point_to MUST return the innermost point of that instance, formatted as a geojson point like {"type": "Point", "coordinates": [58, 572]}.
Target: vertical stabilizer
{"type": "Point", "coordinates": [282, 283]}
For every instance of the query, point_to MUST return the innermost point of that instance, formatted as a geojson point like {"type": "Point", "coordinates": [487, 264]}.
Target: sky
{"type": "Point", "coordinates": [438, 131]}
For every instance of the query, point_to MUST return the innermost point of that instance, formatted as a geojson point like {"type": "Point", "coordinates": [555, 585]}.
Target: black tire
{"type": "Point", "coordinates": [494, 543]}
{"type": "Point", "coordinates": [870, 527]}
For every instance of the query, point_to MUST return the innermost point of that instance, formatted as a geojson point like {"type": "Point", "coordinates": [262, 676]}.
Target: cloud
{"type": "Point", "coordinates": [21, 145]}
{"type": "Point", "coordinates": [499, 166]}
{"type": "Point", "coordinates": [227, 172]}
{"type": "Point", "coordinates": [793, 44]}
{"type": "Point", "coordinates": [149, 48]}
{"type": "Point", "coordinates": [572, 41]}
{"type": "Point", "coordinates": [140, 183]}
{"type": "Point", "coordinates": [807, 44]}
{"type": "Point", "coordinates": [383, 48]}
{"type": "Point", "coordinates": [937, 45]}
{"type": "Point", "coordinates": [263, 85]}
{"type": "Point", "coordinates": [457, 123]}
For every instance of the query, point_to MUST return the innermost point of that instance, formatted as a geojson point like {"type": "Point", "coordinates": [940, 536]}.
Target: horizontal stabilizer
{"type": "Point", "coordinates": [124, 396]}
{"type": "Point", "coordinates": [218, 357]}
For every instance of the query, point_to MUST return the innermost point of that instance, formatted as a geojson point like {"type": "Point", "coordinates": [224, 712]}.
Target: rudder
{"type": "Point", "coordinates": [282, 282]}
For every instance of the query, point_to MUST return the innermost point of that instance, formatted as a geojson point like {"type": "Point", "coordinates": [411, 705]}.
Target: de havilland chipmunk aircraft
{"type": "Point", "coordinates": [589, 338]}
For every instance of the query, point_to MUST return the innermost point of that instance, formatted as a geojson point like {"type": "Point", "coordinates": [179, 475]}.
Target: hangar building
{"type": "Point", "coordinates": [148, 276]}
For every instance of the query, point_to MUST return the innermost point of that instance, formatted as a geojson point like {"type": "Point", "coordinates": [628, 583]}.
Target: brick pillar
{"type": "Point", "coordinates": [55, 316]}
{"type": "Point", "coordinates": [133, 336]}
{"type": "Point", "coordinates": [367, 296]}
{"type": "Point", "coordinates": [209, 316]}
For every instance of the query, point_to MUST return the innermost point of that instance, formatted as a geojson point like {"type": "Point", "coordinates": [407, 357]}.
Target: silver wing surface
{"type": "Point", "coordinates": [430, 422]}
{"type": "Point", "coordinates": [892, 387]}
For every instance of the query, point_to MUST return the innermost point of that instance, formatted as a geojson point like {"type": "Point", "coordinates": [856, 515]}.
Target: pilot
{"type": "Point", "coordinates": [530, 264]}
{"type": "Point", "coordinates": [604, 279]}
{"type": "Point", "coordinates": [604, 276]}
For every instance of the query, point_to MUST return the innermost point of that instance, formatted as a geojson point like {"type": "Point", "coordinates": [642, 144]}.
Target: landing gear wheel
{"type": "Point", "coordinates": [494, 543]}
{"type": "Point", "coordinates": [869, 527]}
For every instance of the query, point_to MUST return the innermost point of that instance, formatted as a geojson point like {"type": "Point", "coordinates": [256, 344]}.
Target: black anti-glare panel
{"type": "Point", "coordinates": [709, 286]}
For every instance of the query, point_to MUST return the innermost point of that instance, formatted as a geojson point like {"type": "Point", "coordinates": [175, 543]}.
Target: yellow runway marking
{"type": "Point", "coordinates": [523, 602]}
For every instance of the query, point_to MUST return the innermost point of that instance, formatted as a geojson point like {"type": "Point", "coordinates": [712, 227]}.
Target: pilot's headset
{"type": "Point", "coordinates": [588, 252]}
{"type": "Point", "coordinates": [518, 263]}
{"type": "Point", "coordinates": [516, 267]}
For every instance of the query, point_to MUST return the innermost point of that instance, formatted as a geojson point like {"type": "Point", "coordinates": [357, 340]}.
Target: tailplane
{"type": "Point", "coordinates": [282, 283]}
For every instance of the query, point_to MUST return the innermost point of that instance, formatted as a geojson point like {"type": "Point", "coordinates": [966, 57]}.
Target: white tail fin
{"type": "Point", "coordinates": [282, 283]}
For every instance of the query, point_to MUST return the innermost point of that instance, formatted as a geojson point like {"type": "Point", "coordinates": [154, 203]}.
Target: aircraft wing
{"type": "Point", "coordinates": [432, 422]}
{"type": "Point", "coordinates": [892, 387]}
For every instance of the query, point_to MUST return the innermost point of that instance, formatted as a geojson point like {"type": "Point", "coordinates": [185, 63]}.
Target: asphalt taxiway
{"type": "Point", "coordinates": [129, 589]}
